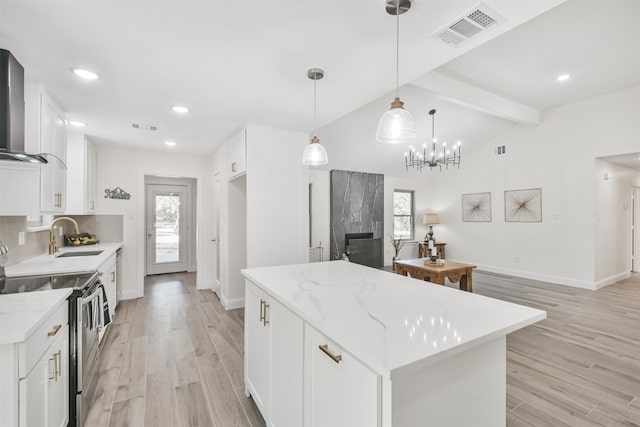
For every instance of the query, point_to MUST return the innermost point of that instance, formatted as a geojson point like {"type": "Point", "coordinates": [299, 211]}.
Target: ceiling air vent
{"type": "Point", "coordinates": [143, 126]}
{"type": "Point", "coordinates": [471, 23]}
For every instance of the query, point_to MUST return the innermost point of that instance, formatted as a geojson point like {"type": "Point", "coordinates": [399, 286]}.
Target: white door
{"type": "Point", "coordinates": [167, 212]}
{"type": "Point", "coordinates": [215, 240]}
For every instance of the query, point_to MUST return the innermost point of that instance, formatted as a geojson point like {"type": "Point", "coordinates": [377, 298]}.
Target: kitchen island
{"type": "Point", "coordinates": [336, 343]}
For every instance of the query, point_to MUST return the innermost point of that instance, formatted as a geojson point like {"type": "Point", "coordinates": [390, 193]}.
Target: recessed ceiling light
{"type": "Point", "coordinates": [563, 77]}
{"type": "Point", "coordinates": [76, 123]}
{"type": "Point", "coordinates": [180, 109]}
{"type": "Point", "coordinates": [170, 143]}
{"type": "Point", "coordinates": [85, 74]}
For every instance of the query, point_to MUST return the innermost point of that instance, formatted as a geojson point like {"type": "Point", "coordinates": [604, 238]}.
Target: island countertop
{"type": "Point", "coordinates": [53, 264]}
{"type": "Point", "coordinates": [393, 324]}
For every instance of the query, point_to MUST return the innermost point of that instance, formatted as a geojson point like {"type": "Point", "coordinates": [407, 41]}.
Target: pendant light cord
{"type": "Point", "coordinates": [315, 101]}
{"type": "Point", "coordinates": [397, 46]}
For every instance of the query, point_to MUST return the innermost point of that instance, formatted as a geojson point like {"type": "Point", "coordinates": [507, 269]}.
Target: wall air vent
{"type": "Point", "coordinates": [471, 23]}
{"type": "Point", "coordinates": [143, 126]}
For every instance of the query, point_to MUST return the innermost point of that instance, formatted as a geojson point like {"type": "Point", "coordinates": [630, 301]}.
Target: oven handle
{"type": "Point", "coordinates": [81, 302]}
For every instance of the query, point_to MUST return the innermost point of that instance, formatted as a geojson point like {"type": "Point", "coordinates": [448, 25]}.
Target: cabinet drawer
{"type": "Point", "coordinates": [39, 341]}
{"type": "Point", "coordinates": [339, 390]}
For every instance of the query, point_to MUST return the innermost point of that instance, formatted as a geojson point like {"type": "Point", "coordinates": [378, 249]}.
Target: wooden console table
{"type": "Point", "coordinates": [454, 271]}
{"type": "Point", "coordinates": [423, 248]}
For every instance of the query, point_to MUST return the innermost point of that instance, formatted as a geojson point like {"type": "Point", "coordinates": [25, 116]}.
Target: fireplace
{"type": "Point", "coordinates": [363, 248]}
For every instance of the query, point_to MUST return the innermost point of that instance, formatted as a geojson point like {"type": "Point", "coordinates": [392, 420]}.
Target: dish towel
{"type": "Point", "coordinates": [105, 307]}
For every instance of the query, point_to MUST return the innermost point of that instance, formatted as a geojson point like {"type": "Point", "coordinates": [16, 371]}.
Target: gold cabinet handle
{"type": "Point", "coordinates": [58, 358]}
{"type": "Point", "coordinates": [54, 331]}
{"type": "Point", "coordinates": [262, 310]}
{"type": "Point", "coordinates": [265, 321]}
{"type": "Point", "coordinates": [335, 357]}
{"type": "Point", "coordinates": [113, 276]}
{"type": "Point", "coordinates": [52, 372]}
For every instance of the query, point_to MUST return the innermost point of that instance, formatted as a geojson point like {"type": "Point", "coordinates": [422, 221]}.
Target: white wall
{"type": "Point", "coordinates": [275, 209]}
{"type": "Point", "coordinates": [557, 156]}
{"type": "Point", "coordinates": [320, 207]}
{"type": "Point", "coordinates": [126, 169]}
{"type": "Point", "coordinates": [277, 197]}
{"type": "Point", "coordinates": [613, 210]}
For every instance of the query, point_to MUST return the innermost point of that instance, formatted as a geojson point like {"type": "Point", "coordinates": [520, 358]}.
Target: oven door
{"type": "Point", "coordinates": [90, 321]}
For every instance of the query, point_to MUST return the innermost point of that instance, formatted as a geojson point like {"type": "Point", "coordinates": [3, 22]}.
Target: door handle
{"type": "Point", "coordinates": [149, 232]}
{"type": "Point", "coordinates": [214, 239]}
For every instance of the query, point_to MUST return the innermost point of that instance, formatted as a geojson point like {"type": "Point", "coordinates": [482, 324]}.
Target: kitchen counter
{"type": "Point", "coordinates": [22, 313]}
{"type": "Point", "coordinates": [390, 322]}
{"type": "Point", "coordinates": [53, 264]}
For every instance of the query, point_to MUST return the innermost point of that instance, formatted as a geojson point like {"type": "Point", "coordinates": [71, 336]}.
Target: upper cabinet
{"type": "Point", "coordinates": [53, 142]}
{"type": "Point", "coordinates": [237, 154]}
{"type": "Point", "coordinates": [19, 188]}
{"type": "Point", "coordinates": [81, 174]}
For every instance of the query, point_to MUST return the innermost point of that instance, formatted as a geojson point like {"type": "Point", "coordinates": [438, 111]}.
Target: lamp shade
{"type": "Point", "coordinates": [315, 154]}
{"type": "Point", "coordinates": [396, 125]}
{"type": "Point", "coordinates": [431, 219]}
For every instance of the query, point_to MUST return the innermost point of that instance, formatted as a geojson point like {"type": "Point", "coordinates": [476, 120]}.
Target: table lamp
{"type": "Point", "coordinates": [431, 219]}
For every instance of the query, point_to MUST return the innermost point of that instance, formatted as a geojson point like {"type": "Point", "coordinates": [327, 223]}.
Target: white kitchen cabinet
{"type": "Point", "coordinates": [274, 362]}
{"type": "Point", "coordinates": [34, 359]}
{"type": "Point", "coordinates": [258, 360]}
{"type": "Point", "coordinates": [81, 174]}
{"type": "Point", "coordinates": [53, 139]}
{"type": "Point", "coordinates": [109, 278]}
{"type": "Point", "coordinates": [44, 392]}
{"type": "Point", "coordinates": [339, 390]}
{"type": "Point", "coordinates": [19, 188]}
{"type": "Point", "coordinates": [237, 154]}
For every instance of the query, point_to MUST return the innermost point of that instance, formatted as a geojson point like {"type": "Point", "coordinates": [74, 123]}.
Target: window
{"type": "Point", "coordinates": [403, 214]}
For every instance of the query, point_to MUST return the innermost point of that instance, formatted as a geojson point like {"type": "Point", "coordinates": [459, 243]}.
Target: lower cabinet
{"type": "Point", "coordinates": [109, 279]}
{"type": "Point", "coordinates": [339, 390]}
{"type": "Point", "coordinates": [44, 392]}
{"type": "Point", "coordinates": [298, 377]}
{"type": "Point", "coordinates": [273, 358]}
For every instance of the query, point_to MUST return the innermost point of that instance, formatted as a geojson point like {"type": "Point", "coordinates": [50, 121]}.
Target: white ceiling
{"type": "Point", "coordinates": [235, 62]}
{"type": "Point", "coordinates": [231, 62]}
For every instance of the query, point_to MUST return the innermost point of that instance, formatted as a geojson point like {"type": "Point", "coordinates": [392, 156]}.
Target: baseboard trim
{"type": "Point", "coordinates": [558, 280]}
{"type": "Point", "coordinates": [231, 304]}
{"type": "Point", "coordinates": [125, 295]}
{"type": "Point", "coordinates": [612, 279]}
{"type": "Point", "coordinates": [205, 284]}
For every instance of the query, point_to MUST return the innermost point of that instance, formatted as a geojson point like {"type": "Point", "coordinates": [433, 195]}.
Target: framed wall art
{"type": "Point", "coordinates": [523, 205]}
{"type": "Point", "coordinates": [476, 207]}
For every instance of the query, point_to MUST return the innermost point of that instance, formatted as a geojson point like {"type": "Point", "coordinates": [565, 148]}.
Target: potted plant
{"type": "Point", "coordinates": [398, 243]}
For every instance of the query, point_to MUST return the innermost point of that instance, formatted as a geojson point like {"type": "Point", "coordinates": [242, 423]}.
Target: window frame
{"type": "Point", "coordinates": [411, 215]}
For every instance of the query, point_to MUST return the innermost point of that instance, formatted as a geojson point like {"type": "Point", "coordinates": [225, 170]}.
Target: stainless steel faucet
{"type": "Point", "coordinates": [52, 238]}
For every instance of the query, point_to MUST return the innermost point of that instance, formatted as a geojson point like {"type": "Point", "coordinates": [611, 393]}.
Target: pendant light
{"type": "Point", "coordinates": [315, 154]}
{"type": "Point", "coordinates": [396, 125]}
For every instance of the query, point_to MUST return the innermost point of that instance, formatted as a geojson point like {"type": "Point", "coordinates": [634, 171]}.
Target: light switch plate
{"type": "Point", "coordinates": [21, 238]}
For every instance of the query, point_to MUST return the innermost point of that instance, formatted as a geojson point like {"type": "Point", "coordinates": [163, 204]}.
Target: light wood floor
{"type": "Point", "coordinates": [174, 357]}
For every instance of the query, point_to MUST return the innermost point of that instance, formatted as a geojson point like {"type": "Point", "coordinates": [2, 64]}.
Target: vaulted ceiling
{"type": "Point", "coordinates": [246, 61]}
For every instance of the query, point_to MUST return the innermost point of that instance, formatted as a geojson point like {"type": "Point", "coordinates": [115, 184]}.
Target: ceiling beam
{"type": "Point", "coordinates": [462, 93]}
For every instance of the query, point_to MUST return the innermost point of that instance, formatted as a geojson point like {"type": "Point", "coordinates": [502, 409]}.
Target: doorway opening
{"type": "Point", "coordinates": [170, 218]}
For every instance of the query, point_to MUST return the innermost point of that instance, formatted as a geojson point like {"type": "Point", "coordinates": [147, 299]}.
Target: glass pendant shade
{"type": "Point", "coordinates": [314, 154]}
{"type": "Point", "coordinates": [396, 125]}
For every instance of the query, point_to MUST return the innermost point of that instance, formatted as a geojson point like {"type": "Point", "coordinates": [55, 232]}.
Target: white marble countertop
{"type": "Point", "coordinates": [393, 324]}
{"type": "Point", "coordinates": [22, 313]}
{"type": "Point", "coordinates": [53, 264]}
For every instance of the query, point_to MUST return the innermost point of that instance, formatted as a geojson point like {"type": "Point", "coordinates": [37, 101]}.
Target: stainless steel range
{"type": "Point", "coordinates": [86, 318]}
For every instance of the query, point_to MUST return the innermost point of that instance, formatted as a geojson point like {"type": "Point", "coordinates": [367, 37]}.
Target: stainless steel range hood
{"type": "Point", "coordinates": [12, 111]}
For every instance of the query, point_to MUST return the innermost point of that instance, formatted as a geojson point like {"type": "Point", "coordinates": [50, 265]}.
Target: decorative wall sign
{"type": "Point", "coordinates": [523, 205]}
{"type": "Point", "coordinates": [116, 193]}
{"type": "Point", "coordinates": [476, 207]}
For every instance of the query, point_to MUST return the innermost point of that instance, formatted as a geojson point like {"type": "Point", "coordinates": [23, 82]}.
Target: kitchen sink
{"type": "Point", "coordinates": [83, 253]}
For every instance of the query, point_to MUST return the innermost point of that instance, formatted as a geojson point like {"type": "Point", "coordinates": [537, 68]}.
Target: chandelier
{"type": "Point", "coordinates": [433, 158]}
